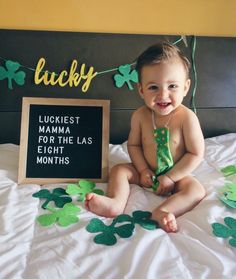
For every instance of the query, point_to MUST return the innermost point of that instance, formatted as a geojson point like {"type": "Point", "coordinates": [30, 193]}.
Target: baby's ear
{"type": "Point", "coordinates": [140, 89]}
{"type": "Point", "coordinates": [187, 86]}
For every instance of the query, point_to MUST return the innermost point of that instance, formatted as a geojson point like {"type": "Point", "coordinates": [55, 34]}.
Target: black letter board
{"type": "Point", "coordinates": [63, 140]}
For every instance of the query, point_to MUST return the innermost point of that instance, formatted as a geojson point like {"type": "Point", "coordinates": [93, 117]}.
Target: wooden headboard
{"type": "Point", "coordinates": [215, 59]}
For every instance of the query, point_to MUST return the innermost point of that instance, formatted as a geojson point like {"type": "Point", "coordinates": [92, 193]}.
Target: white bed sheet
{"type": "Point", "coordinates": [28, 250]}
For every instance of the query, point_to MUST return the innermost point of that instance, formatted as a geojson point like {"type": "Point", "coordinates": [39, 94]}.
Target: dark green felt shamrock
{"type": "Point", "coordinates": [58, 195]}
{"type": "Point", "coordinates": [126, 76]}
{"type": "Point", "coordinates": [82, 188]}
{"type": "Point", "coordinates": [11, 73]}
{"type": "Point", "coordinates": [223, 231]}
{"type": "Point", "coordinates": [143, 219]}
{"type": "Point", "coordinates": [64, 217]}
{"type": "Point", "coordinates": [229, 203]}
{"type": "Point", "coordinates": [107, 234]}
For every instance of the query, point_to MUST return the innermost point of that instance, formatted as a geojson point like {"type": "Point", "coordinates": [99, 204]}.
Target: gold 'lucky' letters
{"type": "Point", "coordinates": [64, 78]}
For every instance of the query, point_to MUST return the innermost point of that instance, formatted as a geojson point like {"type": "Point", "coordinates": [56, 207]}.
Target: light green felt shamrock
{"type": "Point", "coordinates": [229, 192]}
{"type": "Point", "coordinates": [223, 231]}
{"type": "Point", "coordinates": [82, 188]}
{"type": "Point", "coordinates": [11, 73]}
{"type": "Point", "coordinates": [229, 170]}
{"type": "Point", "coordinates": [64, 217]}
{"type": "Point", "coordinates": [126, 76]}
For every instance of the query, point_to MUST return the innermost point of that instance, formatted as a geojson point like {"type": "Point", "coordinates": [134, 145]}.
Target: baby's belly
{"type": "Point", "coordinates": [150, 153]}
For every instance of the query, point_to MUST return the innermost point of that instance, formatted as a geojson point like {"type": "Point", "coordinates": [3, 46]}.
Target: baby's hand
{"type": "Point", "coordinates": [146, 178]}
{"type": "Point", "coordinates": [166, 185]}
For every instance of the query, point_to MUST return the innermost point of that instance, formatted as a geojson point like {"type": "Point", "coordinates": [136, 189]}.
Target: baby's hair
{"type": "Point", "coordinates": [159, 52]}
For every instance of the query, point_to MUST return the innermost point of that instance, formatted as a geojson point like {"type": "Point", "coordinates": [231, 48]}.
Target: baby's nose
{"type": "Point", "coordinates": [163, 93]}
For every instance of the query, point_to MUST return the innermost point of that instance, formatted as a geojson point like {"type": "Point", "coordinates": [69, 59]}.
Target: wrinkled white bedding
{"type": "Point", "coordinates": [28, 250]}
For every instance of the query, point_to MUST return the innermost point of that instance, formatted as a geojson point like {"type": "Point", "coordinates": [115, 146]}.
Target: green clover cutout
{"type": "Point", "coordinates": [231, 193]}
{"type": "Point", "coordinates": [229, 203]}
{"type": "Point", "coordinates": [126, 76]}
{"type": "Point", "coordinates": [228, 194]}
{"type": "Point", "coordinates": [11, 73]}
{"type": "Point", "coordinates": [82, 188]}
{"type": "Point", "coordinates": [64, 217]}
{"type": "Point", "coordinates": [106, 234]}
{"type": "Point", "coordinates": [223, 231]}
{"type": "Point", "coordinates": [143, 219]}
{"type": "Point", "coordinates": [58, 195]}
{"type": "Point", "coordinates": [229, 170]}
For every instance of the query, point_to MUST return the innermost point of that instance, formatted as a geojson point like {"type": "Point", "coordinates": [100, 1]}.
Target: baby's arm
{"type": "Point", "coordinates": [194, 144]}
{"type": "Point", "coordinates": [136, 151]}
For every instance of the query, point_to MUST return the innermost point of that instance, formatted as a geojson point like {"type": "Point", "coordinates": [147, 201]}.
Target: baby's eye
{"type": "Point", "coordinates": [173, 86]}
{"type": "Point", "coordinates": [153, 87]}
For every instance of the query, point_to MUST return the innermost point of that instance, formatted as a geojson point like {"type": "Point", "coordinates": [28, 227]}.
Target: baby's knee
{"type": "Point", "coordinates": [201, 191]}
{"type": "Point", "coordinates": [120, 168]}
{"type": "Point", "coordinates": [192, 186]}
{"type": "Point", "coordinates": [198, 189]}
{"type": "Point", "coordinates": [125, 170]}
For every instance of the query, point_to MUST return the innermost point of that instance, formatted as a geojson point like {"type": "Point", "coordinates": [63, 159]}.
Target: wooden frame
{"type": "Point", "coordinates": [25, 139]}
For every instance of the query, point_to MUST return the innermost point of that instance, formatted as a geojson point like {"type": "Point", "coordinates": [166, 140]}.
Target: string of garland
{"type": "Point", "coordinates": [126, 74]}
{"type": "Point", "coordinates": [99, 73]}
{"type": "Point", "coordinates": [193, 104]}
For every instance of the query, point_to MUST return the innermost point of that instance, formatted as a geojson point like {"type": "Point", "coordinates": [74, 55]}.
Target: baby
{"type": "Point", "coordinates": [165, 142]}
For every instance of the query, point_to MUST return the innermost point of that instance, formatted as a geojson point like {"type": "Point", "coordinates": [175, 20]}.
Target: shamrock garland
{"type": "Point", "coordinates": [107, 234]}
{"type": "Point", "coordinates": [223, 231]}
{"type": "Point", "coordinates": [126, 75]}
{"type": "Point", "coordinates": [11, 73]}
{"type": "Point", "coordinates": [82, 188]}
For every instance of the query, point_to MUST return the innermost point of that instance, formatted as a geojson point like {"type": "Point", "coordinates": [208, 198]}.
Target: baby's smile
{"type": "Point", "coordinates": [163, 104]}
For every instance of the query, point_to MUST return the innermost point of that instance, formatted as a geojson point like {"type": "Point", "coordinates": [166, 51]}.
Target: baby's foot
{"type": "Point", "coordinates": [102, 205]}
{"type": "Point", "coordinates": [166, 220]}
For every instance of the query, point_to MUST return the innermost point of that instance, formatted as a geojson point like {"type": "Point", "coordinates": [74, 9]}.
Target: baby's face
{"type": "Point", "coordinates": [164, 85]}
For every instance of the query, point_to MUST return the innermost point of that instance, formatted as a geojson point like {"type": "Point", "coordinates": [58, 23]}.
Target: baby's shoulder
{"type": "Point", "coordinates": [141, 112]}
{"type": "Point", "coordinates": [185, 113]}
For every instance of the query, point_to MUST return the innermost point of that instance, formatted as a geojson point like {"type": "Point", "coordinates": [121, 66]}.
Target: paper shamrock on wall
{"type": "Point", "coordinates": [107, 234]}
{"type": "Point", "coordinates": [58, 195]}
{"type": "Point", "coordinates": [82, 188]}
{"type": "Point", "coordinates": [64, 217]}
{"type": "Point", "coordinates": [126, 75]}
{"type": "Point", "coordinates": [11, 73]}
{"type": "Point", "coordinates": [223, 231]}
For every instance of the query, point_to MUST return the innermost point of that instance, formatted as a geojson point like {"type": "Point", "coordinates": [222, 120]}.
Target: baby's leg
{"type": "Point", "coordinates": [188, 193]}
{"type": "Point", "coordinates": [117, 194]}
